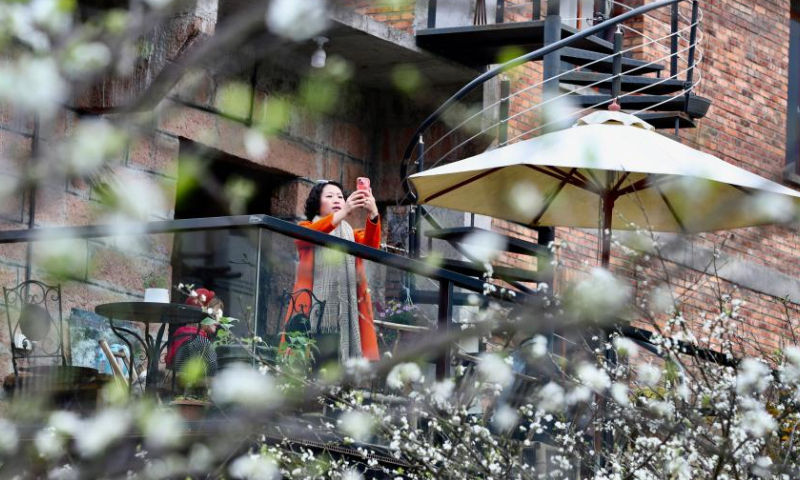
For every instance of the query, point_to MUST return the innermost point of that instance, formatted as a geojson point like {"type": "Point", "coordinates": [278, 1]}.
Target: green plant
{"type": "Point", "coordinates": [296, 354]}
{"type": "Point", "coordinates": [154, 280]}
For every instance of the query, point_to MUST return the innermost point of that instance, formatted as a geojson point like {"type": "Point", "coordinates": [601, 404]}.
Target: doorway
{"type": "Point", "coordinates": [225, 261]}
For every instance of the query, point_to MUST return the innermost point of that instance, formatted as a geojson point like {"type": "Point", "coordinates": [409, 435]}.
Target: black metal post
{"type": "Point", "coordinates": [536, 14]}
{"type": "Point", "coordinates": [673, 42]}
{"type": "Point", "coordinates": [500, 13]}
{"type": "Point", "coordinates": [417, 232]}
{"type": "Point", "coordinates": [32, 198]}
{"type": "Point", "coordinates": [600, 9]}
{"type": "Point", "coordinates": [673, 48]}
{"type": "Point", "coordinates": [544, 268]}
{"type": "Point", "coordinates": [552, 34]}
{"type": "Point", "coordinates": [445, 319]}
{"type": "Point", "coordinates": [431, 13]}
{"type": "Point", "coordinates": [616, 83]}
{"type": "Point", "coordinates": [692, 41]}
{"type": "Point", "coordinates": [505, 92]}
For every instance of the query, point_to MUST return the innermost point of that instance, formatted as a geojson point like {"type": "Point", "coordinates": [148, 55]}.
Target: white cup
{"type": "Point", "coordinates": [156, 295]}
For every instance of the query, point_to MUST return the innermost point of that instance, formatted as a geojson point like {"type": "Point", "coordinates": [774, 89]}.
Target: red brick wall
{"type": "Point", "coordinates": [744, 73]}
{"type": "Point", "coordinates": [397, 14]}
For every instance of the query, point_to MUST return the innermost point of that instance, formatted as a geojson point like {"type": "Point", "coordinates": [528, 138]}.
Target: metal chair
{"type": "Point", "coordinates": [300, 318]}
{"type": "Point", "coordinates": [35, 322]}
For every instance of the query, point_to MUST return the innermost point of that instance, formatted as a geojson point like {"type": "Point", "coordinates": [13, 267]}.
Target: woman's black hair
{"type": "Point", "coordinates": [314, 197]}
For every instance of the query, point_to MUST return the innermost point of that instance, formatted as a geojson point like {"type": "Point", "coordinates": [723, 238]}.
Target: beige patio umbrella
{"type": "Point", "coordinates": [610, 170]}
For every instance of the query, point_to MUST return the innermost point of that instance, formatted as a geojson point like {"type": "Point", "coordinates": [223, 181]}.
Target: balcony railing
{"type": "Point", "coordinates": [250, 262]}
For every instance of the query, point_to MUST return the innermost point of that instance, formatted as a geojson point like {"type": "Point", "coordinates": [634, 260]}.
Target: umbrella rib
{"type": "Point", "coordinates": [460, 184]}
{"type": "Point", "coordinates": [552, 196]}
{"type": "Point", "coordinates": [671, 208]}
{"type": "Point", "coordinates": [620, 181]}
{"type": "Point", "coordinates": [587, 181]}
{"type": "Point", "coordinates": [741, 189]}
{"type": "Point", "coordinates": [646, 182]}
{"type": "Point", "coordinates": [561, 176]}
{"type": "Point", "coordinates": [597, 183]}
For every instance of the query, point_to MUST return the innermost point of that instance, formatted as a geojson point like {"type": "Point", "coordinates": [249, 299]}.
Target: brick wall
{"type": "Point", "coordinates": [744, 73]}
{"type": "Point", "coordinates": [398, 14]}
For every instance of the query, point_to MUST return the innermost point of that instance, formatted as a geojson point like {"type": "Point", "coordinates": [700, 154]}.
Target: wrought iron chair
{"type": "Point", "coordinates": [35, 322]}
{"type": "Point", "coordinates": [299, 317]}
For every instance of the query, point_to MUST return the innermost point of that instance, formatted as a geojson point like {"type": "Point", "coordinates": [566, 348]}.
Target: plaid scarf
{"type": "Point", "coordinates": [335, 282]}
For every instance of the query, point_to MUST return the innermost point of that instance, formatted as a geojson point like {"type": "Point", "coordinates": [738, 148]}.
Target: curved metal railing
{"type": "Point", "coordinates": [682, 53]}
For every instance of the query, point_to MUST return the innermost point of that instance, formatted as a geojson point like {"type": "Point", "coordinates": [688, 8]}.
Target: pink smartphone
{"type": "Point", "coordinates": [362, 183]}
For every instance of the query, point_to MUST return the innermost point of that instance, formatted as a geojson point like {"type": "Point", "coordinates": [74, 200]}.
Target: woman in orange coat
{"type": "Point", "coordinates": [345, 329]}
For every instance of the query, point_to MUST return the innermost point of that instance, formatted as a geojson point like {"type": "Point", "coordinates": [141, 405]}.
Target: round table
{"type": "Point", "coordinates": [147, 313]}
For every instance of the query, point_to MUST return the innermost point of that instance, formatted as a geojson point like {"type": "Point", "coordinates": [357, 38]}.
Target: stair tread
{"type": "Point", "coordinates": [478, 45]}
{"type": "Point", "coordinates": [579, 56]}
{"type": "Point", "coordinates": [654, 86]}
{"type": "Point", "coordinates": [698, 105]}
{"type": "Point", "coordinates": [513, 244]}
{"type": "Point", "coordinates": [499, 271]}
{"type": "Point", "coordinates": [667, 119]}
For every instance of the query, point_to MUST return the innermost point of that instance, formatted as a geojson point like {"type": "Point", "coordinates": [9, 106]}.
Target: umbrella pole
{"type": "Point", "coordinates": [605, 230]}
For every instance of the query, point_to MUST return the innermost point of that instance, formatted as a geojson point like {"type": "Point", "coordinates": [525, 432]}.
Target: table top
{"type": "Point", "coordinates": [150, 312]}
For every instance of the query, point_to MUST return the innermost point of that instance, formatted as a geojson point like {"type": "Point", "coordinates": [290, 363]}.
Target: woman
{"type": "Point", "coordinates": [346, 326]}
{"type": "Point", "coordinates": [189, 342]}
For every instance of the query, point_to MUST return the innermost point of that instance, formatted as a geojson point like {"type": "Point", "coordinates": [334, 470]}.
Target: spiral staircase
{"type": "Point", "coordinates": [645, 58]}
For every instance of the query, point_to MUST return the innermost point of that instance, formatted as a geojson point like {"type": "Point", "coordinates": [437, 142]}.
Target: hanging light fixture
{"type": "Point", "coordinates": [319, 56]}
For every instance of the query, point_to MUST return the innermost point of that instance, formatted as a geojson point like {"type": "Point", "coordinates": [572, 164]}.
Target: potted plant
{"type": "Point", "coordinates": [191, 407]}
{"type": "Point", "coordinates": [398, 313]}
{"type": "Point", "coordinates": [232, 349]}
{"type": "Point", "coordinates": [155, 288]}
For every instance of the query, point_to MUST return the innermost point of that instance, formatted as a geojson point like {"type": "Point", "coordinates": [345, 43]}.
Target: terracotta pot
{"type": "Point", "coordinates": [191, 410]}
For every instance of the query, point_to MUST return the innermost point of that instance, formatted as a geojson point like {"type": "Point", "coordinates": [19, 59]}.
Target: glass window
{"type": "Point", "coordinates": [793, 116]}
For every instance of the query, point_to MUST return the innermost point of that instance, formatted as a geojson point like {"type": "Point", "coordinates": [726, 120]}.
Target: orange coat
{"type": "Point", "coordinates": [369, 236]}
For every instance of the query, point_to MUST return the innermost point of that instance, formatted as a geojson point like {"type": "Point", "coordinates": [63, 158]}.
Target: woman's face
{"type": "Point", "coordinates": [332, 200]}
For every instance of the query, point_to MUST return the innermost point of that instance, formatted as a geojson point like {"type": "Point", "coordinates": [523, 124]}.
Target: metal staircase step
{"type": "Point", "coordinates": [694, 106]}
{"type": "Point", "coordinates": [461, 235]}
{"type": "Point", "coordinates": [629, 83]}
{"type": "Point", "coordinates": [579, 56]}
{"type": "Point", "coordinates": [480, 45]}
{"type": "Point", "coordinates": [510, 274]}
{"type": "Point", "coordinates": [666, 120]}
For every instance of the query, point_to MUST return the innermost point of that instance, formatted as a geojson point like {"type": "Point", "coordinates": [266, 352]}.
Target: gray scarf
{"type": "Point", "coordinates": [335, 282]}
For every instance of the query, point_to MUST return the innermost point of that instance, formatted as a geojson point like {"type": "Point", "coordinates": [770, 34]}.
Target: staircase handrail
{"type": "Point", "coordinates": [494, 72]}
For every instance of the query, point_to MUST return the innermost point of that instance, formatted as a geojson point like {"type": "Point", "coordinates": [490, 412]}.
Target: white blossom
{"type": "Point", "coordinates": [619, 393]}
{"type": "Point", "coordinates": [101, 431]}
{"type": "Point", "coordinates": [483, 246]}
{"type": "Point", "coordinates": [48, 443]}
{"type": "Point", "coordinates": [551, 398]}
{"type": "Point", "coordinates": [441, 392]}
{"type": "Point", "coordinates": [87, 58]}
{"type": "Point", "coordinates": [255, 144]}
{"type": "Point", "coordinates": [297, 20]}
{"type": "Point", "coordinates": [43, 86]}
{"type": "Point", "coordinates": [648, 374]}
{"type": "Point", "coordinates": [357, 425]}
{"type": "Point", "coordinates": [592, 377]}
{"type": "Point", "coordinates": [599, 294]}
{"type": "Point", "coordinates": [505, 417]}
{"type": "Point", "coordinates": [754, 375]}
{"type": "Point", "coordinates": [163, 428]}
{"type": "Point", "coordinates": [241, 385]}
{"type": "Point", "coordinates": [253, 467]}
{"type": "Point", "coordinates": [494, 369]}
{"type": "Point", "coordinates": [626, 347]}
{"type": "Point", "coordinates": [538, 346]}
{"type": "Point", "coordinates": [352, 474]}
{"type": "Point", "coordinates": [758, 422]}
{"type": "Point", "coordinates": [9, 438]}
{"type": "Point", "coordinates": [403, 374]}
